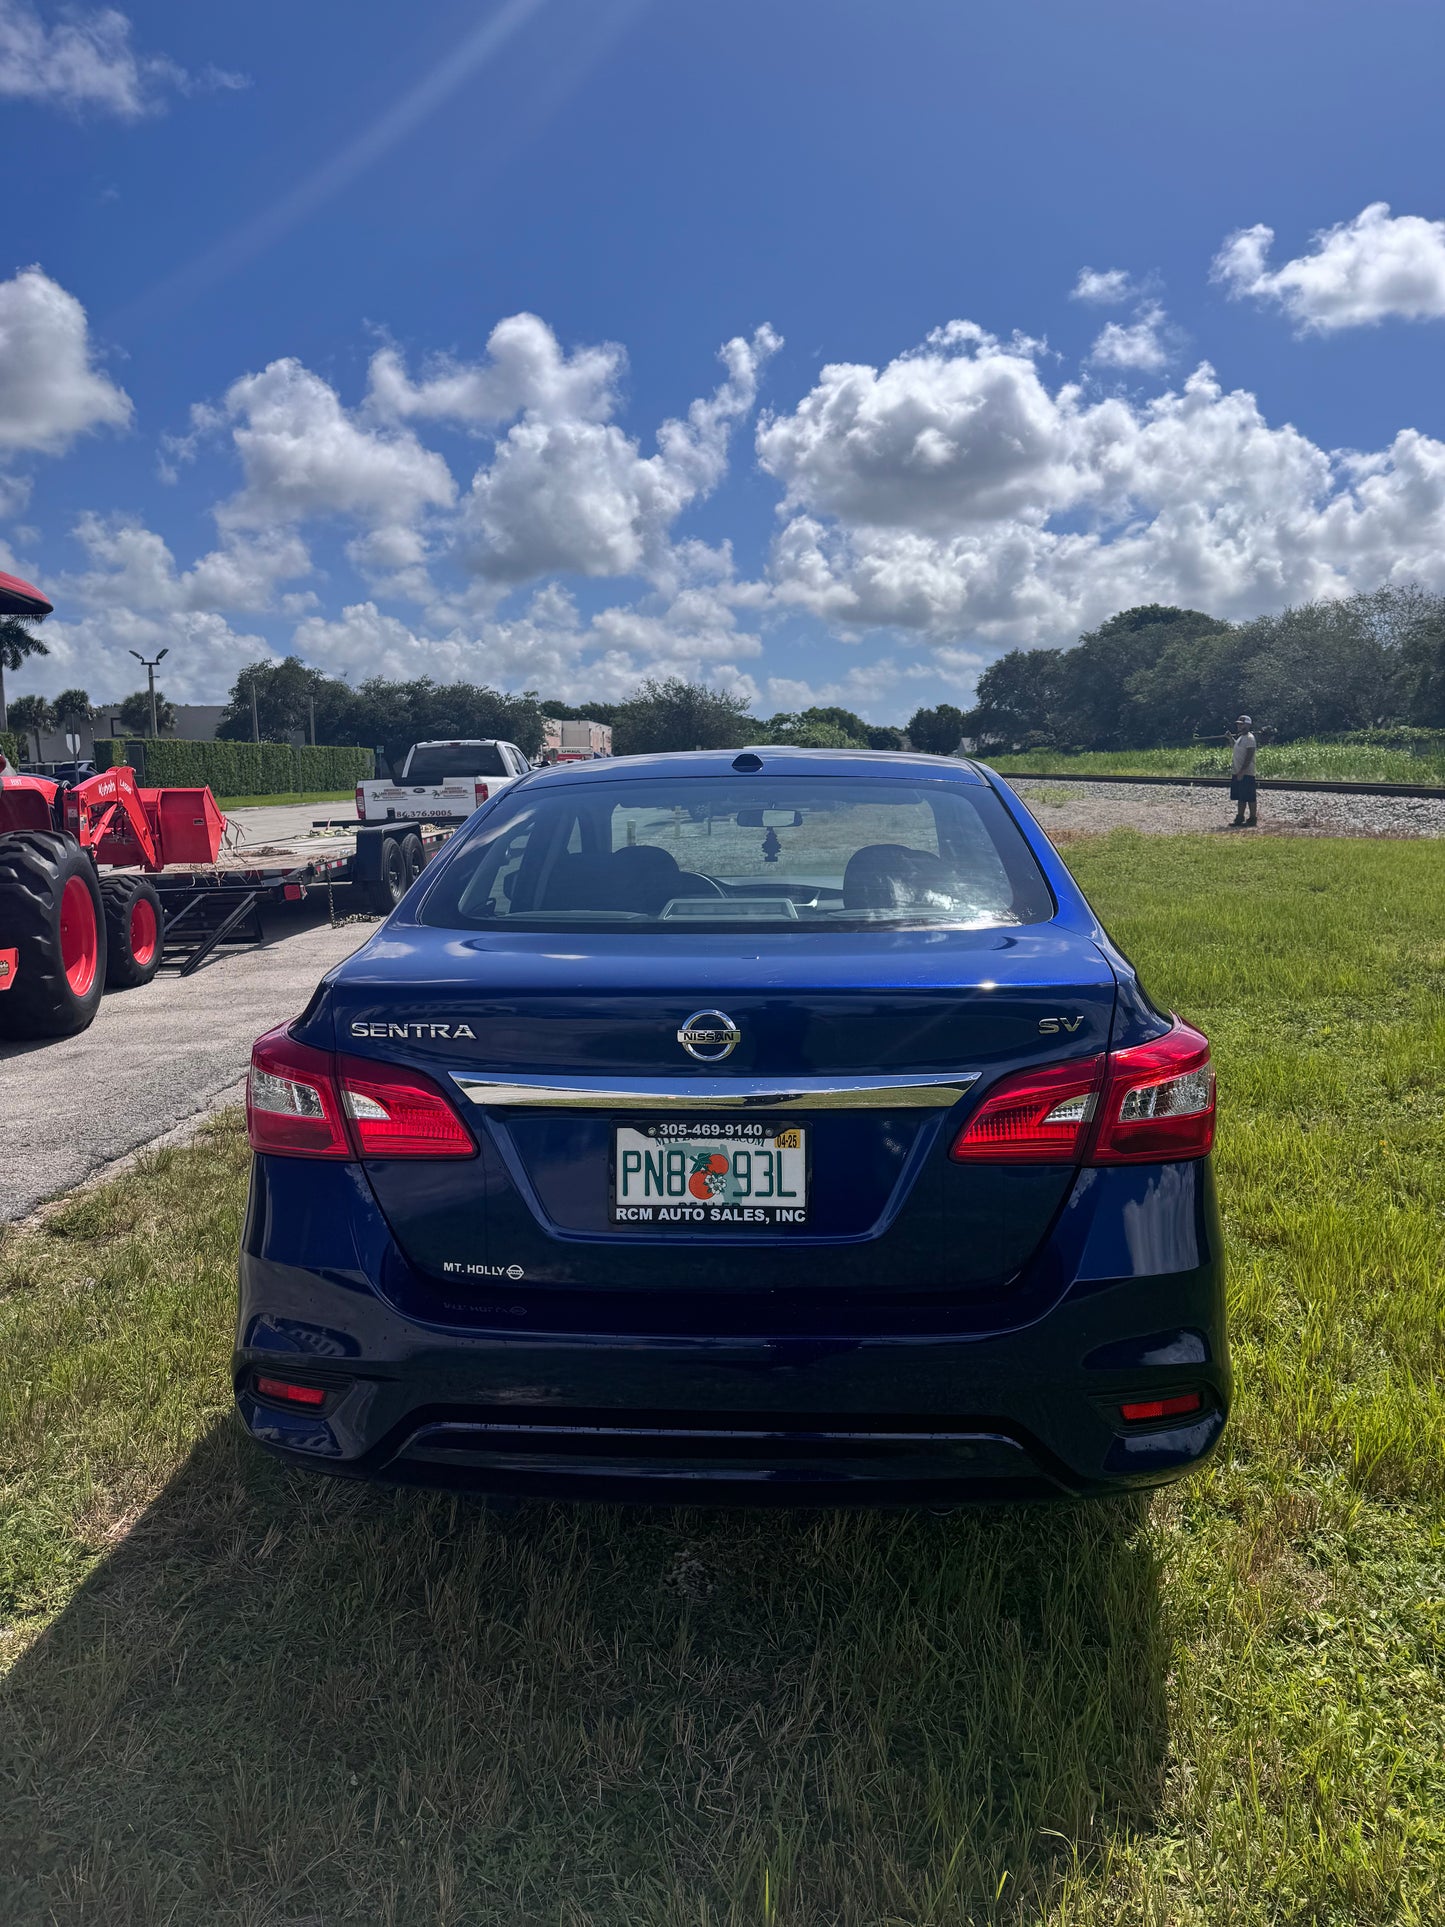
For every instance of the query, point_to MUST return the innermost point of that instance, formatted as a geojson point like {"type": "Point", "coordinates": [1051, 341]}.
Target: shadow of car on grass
{"type": "Point", "coordinates": [280, 1697]}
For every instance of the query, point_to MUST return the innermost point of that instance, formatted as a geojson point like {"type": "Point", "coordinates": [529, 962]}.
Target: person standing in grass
{"type": "Point", "coordinates": [1243, 788]}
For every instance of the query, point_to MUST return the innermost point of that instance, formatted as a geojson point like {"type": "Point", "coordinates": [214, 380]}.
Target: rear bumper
{"type": "Point", "coordinates": [1124, 1300]}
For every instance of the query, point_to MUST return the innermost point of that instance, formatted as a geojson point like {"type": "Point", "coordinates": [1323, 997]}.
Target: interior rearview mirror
{"type": "Point", "coordinates": [769, 819]}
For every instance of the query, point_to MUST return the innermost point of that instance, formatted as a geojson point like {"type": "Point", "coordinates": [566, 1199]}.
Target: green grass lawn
{"type": "Point", "coordinates": [239, 1695]}
{"type": "Point", "coordinates": [308, 796]}
{"type": "Point", "coordinates": [1318, 762]}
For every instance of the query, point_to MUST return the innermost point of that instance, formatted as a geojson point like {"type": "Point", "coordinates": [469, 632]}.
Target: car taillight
{"type": "Point", "coordinates": [1151, 1103]}
{"type": "Point", "coordinates": [1036, 1117]}
{"type": "Point", "coordinates": [399, 1114]}
{"type": "Point", "coordinates": [306, 1103]}
{"type": "Point", "coordinates": [1158, 1101]}
{"type": "Point", "coordinates": [292, 1103]}
{"type": "Point", "coordinates": [482, 793]}
{"type": "Point", "coordinates": [360, 801]}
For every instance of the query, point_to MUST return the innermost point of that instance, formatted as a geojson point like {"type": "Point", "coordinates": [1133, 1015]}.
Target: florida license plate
{"type": "Point", "coordinates": [710, 1173]}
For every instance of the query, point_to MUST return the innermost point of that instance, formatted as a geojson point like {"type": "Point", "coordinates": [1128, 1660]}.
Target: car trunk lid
{"type": "Point", "coordinates": [870, 1046]}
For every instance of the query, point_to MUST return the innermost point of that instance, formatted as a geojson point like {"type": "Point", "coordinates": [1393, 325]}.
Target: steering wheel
{"type": "Point", "coordinates": [710, 887]}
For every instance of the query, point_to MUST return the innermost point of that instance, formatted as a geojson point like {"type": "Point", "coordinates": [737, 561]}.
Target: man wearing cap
{"type": "Point", "coordinates": [1243, 789]}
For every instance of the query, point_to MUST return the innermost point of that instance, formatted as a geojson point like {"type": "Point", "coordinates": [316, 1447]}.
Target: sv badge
{"type": "Point", "coordinates": [1051, 1026]}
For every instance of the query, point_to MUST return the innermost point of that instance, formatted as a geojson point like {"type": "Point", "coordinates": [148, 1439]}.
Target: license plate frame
{"type": "Point", "coordinates": [649, 1196]}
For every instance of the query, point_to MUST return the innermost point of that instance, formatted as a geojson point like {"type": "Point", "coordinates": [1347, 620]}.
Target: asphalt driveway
{"type": "Point", "coordinates": [154, 1057]}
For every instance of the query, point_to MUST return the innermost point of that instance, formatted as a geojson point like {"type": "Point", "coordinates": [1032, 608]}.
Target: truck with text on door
{"type": "Point", "coordinates": [441, 782]}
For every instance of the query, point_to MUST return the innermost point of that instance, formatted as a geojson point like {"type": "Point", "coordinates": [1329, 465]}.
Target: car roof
{"type": "Point", "coordinates": [774, 759]}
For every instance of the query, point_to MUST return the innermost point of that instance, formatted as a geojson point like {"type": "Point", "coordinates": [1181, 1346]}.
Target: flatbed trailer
{"type": "Point", "coordinates": [219, 906]}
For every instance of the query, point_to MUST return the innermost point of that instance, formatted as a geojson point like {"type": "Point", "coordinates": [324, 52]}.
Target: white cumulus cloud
{"type": "Point", "coordinates": [954, 493]}
{"type": "Point", "coordinates": [962, 429]}
{"type": "Point", "coordinates": [133, 567]}
{"type": "Point", "coordinates": [86, 62]}
{"type": "Point", "coordinates": [567, 490]}
{"type": "Point", "coordinates": [1106, 287]}
{"type": "Point", "coordinates": [92, 652]}
{"type": "Point", "coordinates": [960, 498]}
{"type": "Point", "coordinates": [132, 595]}
{"type": "Point", "coordinates": [50, 388]}
{"type": "Point", "coordinates": [526, 372]}
{"type": "Point", "coordinates": [549, 646]}
{"type": "Point", "coordinates": [1138, 344]}
{"type": "Point", "coordinates": [303, 453]}
{"type": "Point", "coordinates": [1377, 266]}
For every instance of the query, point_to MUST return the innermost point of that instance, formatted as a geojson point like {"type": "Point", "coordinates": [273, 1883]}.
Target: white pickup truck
{"type": "Point", "coordinates": [441, 782]}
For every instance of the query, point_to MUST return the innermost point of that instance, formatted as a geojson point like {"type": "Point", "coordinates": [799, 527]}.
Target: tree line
{"type": "Point", "coordinates": [1159, 676]}
{"type": "Point", "coordinates": [1151, 676]}
{"type": "Point", "coordinates": [279, 699]}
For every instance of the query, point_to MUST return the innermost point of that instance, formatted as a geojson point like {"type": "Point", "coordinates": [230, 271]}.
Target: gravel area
{"type": "Point", "coordinates": [1075, 808]}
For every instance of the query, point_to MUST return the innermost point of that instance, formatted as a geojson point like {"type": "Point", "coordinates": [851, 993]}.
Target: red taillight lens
{"type": "Point", "coordinates": [482, 793]}
{"type": "Point", "coordinates": [1037, 1117]}
{"type": "Point", "coordinates": [397, 1113]}
{"type": "Point", "coordinates": [1145, 1105]}
{"type": "Point", "coordinates": [1178, 1406]}
{"type": "Point", "coordinates": [360, 801]}
{"type": "Point", "coordinates": [289, 1394]}
{"type": "Point", "coordinates": [292, 1103]}
{"type": "Point", "coordinates": [306, 1103]}
{"type": "Point", "coordinates": [1158, 1101]}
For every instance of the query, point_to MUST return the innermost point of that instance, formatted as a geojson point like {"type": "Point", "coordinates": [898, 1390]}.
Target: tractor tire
{"type": "Point", "coordinates": [135, 928]}
{"type": "Point", "coordinates": [50, 911]}
{"type": "Point", "coordinates": [390, 887]}
{"type": "Point", "coordinates": [413, 849]}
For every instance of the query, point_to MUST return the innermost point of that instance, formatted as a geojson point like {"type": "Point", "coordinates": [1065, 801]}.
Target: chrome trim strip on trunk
{"type": "Point", "coordinates": [925, 1093]}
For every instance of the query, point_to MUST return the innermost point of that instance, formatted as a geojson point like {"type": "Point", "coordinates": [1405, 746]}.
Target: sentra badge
{"type": "Point", "coordinates": [413, 1030]}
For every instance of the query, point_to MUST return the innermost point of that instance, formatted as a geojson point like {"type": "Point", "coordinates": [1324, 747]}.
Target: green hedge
{"type": "Point", "coordinates": [10, 748]}
{"type": "Point", "coordinates": [238, 769]}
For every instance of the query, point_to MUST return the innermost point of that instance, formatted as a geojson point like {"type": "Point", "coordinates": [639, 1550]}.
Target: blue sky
{"type": "Point", "coordinates": [251, 397]}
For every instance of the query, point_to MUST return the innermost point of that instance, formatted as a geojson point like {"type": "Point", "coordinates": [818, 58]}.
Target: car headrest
{"type": "Point", "coordinates": [890, 876]}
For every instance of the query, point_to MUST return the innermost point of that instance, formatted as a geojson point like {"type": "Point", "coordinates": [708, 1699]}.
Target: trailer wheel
{"type": "Point", "coordinates": [135, 925]}
{"type": "Point", "coordinates": [415, 855]}
{"type": "Point", "coordinates": [50, 910]}
{"type": "Point", "coordinates": [390, 887]}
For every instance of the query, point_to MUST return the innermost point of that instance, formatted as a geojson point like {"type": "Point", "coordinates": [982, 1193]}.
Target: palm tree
{"type": "Point", "coordinates": [135, 713]}
{"type": "Point", "coordinates": [17, 641]}
{"type": "Point", "coordinates": [35, 714]}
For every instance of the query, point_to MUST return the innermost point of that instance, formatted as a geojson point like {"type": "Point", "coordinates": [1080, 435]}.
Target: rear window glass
{"type": "Point", "coordinates": [788, 853]}
{"type": "Point", "coordinates": [436, 764]}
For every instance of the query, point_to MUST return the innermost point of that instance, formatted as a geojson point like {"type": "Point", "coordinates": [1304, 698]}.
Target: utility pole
{"type": "Point", "coordinates": [255, 720]}
{"type": "Point", "coordinates": [150, 669]}
{"type": "Point", "coordinates": [311, 716]}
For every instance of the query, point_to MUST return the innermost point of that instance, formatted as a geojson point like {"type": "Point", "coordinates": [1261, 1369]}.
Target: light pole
{"type": "Point", "coordinates": [150, 669]}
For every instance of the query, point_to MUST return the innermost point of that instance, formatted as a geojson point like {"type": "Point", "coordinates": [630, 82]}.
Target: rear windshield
{"type": "Point", "coordinates": [785, 853]}
{"type": "Point", "coordinates": [437, 763]}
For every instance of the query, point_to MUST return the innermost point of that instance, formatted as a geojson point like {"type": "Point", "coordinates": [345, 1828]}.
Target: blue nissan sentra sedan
{"type": "Point", "coordinates": [775, 1125]}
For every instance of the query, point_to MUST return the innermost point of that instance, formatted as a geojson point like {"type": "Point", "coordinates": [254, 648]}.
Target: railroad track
{"type": "Point", "coordinates": [1432, 793]}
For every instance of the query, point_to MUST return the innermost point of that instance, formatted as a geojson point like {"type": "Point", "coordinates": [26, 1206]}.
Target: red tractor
{"type": "Point", "coordinates": [65, 933]}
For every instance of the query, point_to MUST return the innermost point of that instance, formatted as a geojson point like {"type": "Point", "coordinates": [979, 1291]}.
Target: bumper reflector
{"type": "Point", "coordinates": [1144, 1409]}
{"type": "Point", "coordinates": [290, 1394]}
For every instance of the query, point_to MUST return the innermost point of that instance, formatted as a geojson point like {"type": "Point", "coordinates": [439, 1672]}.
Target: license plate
{"type": "Point", "coordinates": [707, 1173]}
